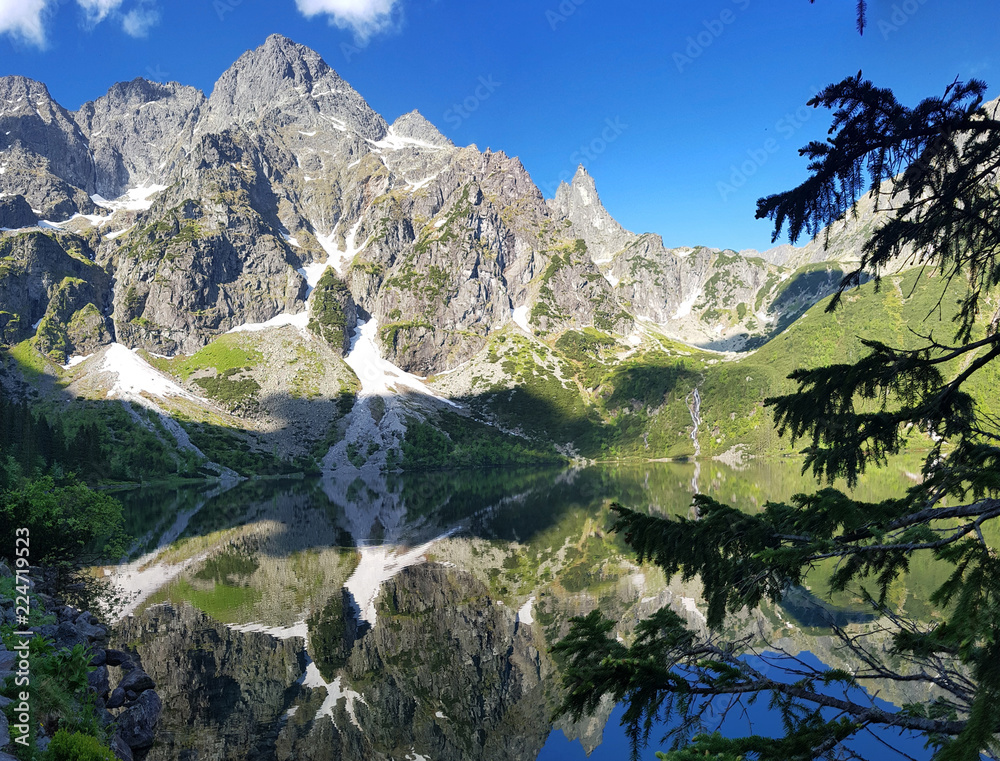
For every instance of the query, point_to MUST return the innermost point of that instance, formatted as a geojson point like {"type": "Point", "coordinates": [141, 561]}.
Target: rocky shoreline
{"type": "Point", "coordinates": [126, 703]}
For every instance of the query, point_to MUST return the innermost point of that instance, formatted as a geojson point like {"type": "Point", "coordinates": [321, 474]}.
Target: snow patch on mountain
{"type": "Point", "coordinates": [685, 307]}
{"type": "Point", "coordinates": [395, 142]}
{"type": "Point", "coordinates": [378, 376]}
{"type": "Point", "coordinates": [135, 376]}
{"type": "Point", "coordinates": [524, 613]}
{"type": "Point", "coordinates": [378, 564]}
{"type": "Point", "coordinates": [341, 260]}
{"type": "Point", "coordinates": [133, 199]}
{"type": "Point", "coordinates": [312, 273]}
{"type": "Point", "coordinates": [520, 317]}
{"type": "Point", "coordinates": [300, 321]}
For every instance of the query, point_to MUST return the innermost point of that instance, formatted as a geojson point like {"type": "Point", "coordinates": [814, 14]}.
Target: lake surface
{"type": "Point", "coordinates": [410, 616]}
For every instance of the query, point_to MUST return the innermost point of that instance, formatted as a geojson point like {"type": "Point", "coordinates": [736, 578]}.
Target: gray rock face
{"type": "Point", "coordinates": [135, 131]}
{"type": "Point", "coordinates": [228, 684]}
{"type": "Point", "coordinates": [200, 270]}
{"type": "Point", "coordinates": [283, 82]}
{"type": "Point", "coordinates": [455, 638]}
{"type": "Point", "coordinates": [49, 287]}
{"type": "Point", "coordinates": [579, 203]}
{"type": "Point", "coordinates": [38, 133]}
{"type": "Point", "coordinates": [15, 212]}
{"type": "Point", "coordinates": [451, 262]}
{"type": "Point", "coordinates": [414, 126]}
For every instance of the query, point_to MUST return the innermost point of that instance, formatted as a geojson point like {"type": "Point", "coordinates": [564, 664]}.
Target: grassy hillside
{"type": "Point", "coordinates": [587, 390]}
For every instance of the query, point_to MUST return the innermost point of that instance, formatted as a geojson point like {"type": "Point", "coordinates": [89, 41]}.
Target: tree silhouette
{"type": "Point", "coordinates": [932, 174]}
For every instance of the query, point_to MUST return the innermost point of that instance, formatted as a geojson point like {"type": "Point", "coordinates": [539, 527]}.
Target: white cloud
{"type": "Point", "coordinates": [98, 10]}
{"type": "Point", "coordinates": [23, 19]}
{"type": "Point", "coordinates": [365, 17]}
{"type": "Point", "coordinates": [138, 21]}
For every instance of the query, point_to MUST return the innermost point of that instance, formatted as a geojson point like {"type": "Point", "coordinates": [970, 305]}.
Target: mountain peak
{"type": "Point", "coordinates": [279, 45]}
{"type": "Point", "coordinates": [580, 202]}
{"type": "Point", "coordinates": [15, 84]}
{"type": "Point", "coordinates": [138, 91]}
{"type": "Point", "coordinates": [580, 191]}
{"type": "Point", "coordinates": [414, 125]}
{"type": "Point", "coordinates": [274, 65]}
{"type": "Point", "coordinates": [283, 77]}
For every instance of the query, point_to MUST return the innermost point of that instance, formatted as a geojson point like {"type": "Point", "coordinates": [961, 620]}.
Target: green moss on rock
{"type": "Point", "coordinates": [333, 312]}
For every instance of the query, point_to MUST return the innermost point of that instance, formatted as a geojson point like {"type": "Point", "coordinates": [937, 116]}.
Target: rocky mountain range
{"type": "Point", "coordinates": [222, 200]}
{"type": "Point", "coordinates": [164, 221]}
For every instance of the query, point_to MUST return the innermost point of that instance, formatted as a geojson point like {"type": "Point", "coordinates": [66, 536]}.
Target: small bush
{"type": "Point", "coordinates": [76, 746]}
{"type": "Point", "coordinates": [67, 524]}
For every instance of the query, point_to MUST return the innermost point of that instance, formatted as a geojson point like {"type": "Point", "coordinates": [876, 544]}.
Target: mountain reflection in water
{"type": "Point", "coordinates": [411, 616]}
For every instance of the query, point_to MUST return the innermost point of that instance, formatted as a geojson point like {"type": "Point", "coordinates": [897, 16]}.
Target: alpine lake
{"type": "Point", "coordinates": [411, 616]}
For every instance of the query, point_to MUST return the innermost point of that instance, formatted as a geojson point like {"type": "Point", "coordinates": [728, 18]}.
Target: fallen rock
{"type": "Point", "coordinates": [116, 657]}
{"type": "Point", "coordinates": [137, 681]}
{"type": "Point", "coordinates": [68, 636]}
{"type": "Point", "coordinates": [120, 748]}
{"type": "Point", "coordinates": [137, 724]}
{"type": "Point", "coordinates": [92, 632]}
{"type": "Point", "coordinates": [117, 699]}
{"type": "Point", "coordinates": [98, 681]}
{"type": "Point", "coordinates": [7, 660]}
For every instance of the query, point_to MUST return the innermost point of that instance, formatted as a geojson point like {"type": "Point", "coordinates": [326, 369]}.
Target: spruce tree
{"type": "Point", "coordinates": [932, 173]}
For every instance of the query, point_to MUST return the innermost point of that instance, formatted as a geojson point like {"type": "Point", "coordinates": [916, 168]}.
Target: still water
{"type": "Point", "coordinates": [411, 616]}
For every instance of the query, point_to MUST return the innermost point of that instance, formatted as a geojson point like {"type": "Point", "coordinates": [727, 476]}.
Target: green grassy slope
{"type": "Point", "coordinates": [578, 388]}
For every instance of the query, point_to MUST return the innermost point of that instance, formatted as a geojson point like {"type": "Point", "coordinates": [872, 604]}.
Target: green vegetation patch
{"type": "Point", "coordinates": [460, 442]}
{"type": "Point", "coordinates": [228, 603]}
{"type": "Point", "coordinates": [327, 629]}
{"type": "Point", "coordinates": [389, 333]}
{"type": "Point", "coordinates": [230, 390]}
{"type": "Point", "coordinates": [232, 351]}
{"type": "Point", "coordinates": [31, 362]}
{"type": "Point", "coordinates": [328, 318]}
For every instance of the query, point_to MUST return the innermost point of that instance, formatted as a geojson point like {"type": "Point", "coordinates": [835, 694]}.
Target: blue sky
{"type": "Point", "coordinates": [684, 113]}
